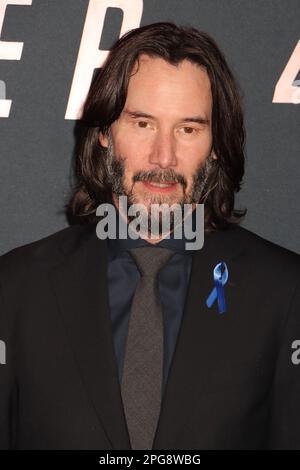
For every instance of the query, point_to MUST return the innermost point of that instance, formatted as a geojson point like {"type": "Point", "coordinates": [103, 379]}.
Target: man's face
{"type": "Point", "coordinates": [163, 135]}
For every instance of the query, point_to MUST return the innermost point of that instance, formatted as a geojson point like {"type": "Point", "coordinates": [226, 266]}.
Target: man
{"type": "Point", "coordinates": [113, 343]}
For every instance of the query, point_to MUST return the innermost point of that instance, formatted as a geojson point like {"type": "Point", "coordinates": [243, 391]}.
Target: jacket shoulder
{"type": "Point", "coordinates": [46, 251]}
{"type": "Point", "coordinates": [267, 253]}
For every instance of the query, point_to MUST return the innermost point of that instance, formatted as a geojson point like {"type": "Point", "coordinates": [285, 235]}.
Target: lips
{"type": "Point", "coordinates": [163, 186]}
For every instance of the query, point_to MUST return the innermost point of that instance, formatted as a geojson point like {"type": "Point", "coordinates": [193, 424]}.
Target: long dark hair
{"type": "Point", "coordinates": [106, 99]}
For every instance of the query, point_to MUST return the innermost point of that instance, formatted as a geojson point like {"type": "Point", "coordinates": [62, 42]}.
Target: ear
{"type": "Point", "coordinates": [214, 156]}
{"type": "Point", "coordinates": [103, 140]}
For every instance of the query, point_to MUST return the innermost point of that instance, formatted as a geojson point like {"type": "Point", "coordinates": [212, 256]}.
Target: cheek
{"type": "Point", "coordinates": [135, 155]}
{"type": "Point", "coordinates": [191, 160]}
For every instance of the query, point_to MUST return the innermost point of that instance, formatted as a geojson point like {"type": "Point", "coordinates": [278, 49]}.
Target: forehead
{"type": "Point", "coordinates": [155, 83]}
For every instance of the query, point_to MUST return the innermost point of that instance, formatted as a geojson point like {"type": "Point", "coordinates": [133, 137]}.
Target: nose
{"type": "Point", "coordinates": [163, 150]}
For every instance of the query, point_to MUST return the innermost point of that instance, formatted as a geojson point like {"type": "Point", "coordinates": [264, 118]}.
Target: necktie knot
{"type": "Point", "coordinates": [150, 260]}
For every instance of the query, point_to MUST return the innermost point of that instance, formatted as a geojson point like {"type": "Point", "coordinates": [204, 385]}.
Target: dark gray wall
{"type": "Point", "coordinates": [37, 142]}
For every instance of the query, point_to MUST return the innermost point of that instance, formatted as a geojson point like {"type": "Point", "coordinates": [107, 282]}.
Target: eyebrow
{"type": "Point", "coordinates": [140, 114]}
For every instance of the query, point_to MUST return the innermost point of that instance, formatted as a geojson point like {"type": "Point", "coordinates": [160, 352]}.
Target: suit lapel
{"type": "Point", "coordinates": [80, 283]}
{"type": "Point", "coordinates": [197, 338]}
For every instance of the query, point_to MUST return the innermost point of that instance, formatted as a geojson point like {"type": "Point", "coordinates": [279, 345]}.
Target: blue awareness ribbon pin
{"type": "Point", "coordinates": [220, 280]}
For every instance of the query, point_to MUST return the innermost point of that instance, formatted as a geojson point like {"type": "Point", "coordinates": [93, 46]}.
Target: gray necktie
{"type": "Point", "coordinates": [143, 361]}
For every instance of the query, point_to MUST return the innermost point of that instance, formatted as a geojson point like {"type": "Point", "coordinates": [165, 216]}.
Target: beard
{"type": "Point", "coordinates": [115, 168]}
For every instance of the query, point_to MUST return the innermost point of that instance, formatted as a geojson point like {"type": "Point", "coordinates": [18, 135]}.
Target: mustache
{"type": "Point", "coordinates": [159, 177]}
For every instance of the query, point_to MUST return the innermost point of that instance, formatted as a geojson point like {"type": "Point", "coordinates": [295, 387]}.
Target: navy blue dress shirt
{"type": "Point", "coordinates": [173, 281]}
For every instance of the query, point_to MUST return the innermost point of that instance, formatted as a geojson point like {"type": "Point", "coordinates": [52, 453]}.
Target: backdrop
{"type": "Point", "coordinates": [49, 51]}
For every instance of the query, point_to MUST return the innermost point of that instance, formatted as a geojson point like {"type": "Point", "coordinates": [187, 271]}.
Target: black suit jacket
{"type": "Point", "coordinates": [232, 383]}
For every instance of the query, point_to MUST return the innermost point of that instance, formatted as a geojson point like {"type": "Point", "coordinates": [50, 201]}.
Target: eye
{"type": "Point", "coordinates": [142, 124]}
{"type": "Point", "coordinates": [189, 130]}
